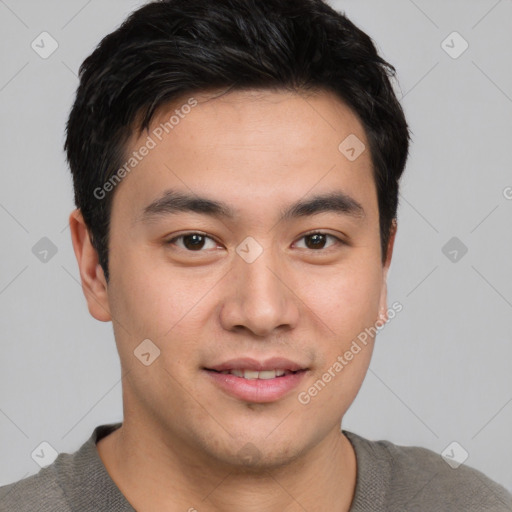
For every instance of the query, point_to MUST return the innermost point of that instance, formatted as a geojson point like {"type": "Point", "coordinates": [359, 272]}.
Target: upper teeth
{"type": "Point", "coordinates": [252, 374]}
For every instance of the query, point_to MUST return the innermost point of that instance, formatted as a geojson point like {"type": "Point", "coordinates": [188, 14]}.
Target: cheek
{"type": "Point", "coordinates": [149, 298]}
{"type": "Point", "coordinates": [170, 308]}
{"type": "Point", "coordinates": [346, 299]}
{"type": "Point", "coordinates": [337, 379]}
{"type": "Point", "coordinates": [147, 304]}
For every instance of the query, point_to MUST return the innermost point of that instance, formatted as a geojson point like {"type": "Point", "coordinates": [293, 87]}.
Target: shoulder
{"type": "Point", "coordinates": [74, 481]}
{"type": "Point", "coordinates": [418, 476]}
{"type": "Point", "coordinates": [25, 495]}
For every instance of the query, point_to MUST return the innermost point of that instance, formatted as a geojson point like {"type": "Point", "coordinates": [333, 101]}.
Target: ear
{"type": "Point", "coordinates": [383, 304]}
{"type": "Point", "coordinates": [94, 284]}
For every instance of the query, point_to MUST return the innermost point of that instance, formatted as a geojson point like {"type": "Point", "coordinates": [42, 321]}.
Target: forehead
{"type": "Point", "coordinates": [250, 148]}
{"type": "Point", "coordinates": [251, 117]}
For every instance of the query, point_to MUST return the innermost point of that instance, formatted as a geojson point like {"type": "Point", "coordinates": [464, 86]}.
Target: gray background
{"type": "Point", "coordinates": [441, 371]}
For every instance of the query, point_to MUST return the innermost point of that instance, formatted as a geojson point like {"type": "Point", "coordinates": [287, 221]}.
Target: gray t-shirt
{"type": "Point", "coordinates": [389, 478]}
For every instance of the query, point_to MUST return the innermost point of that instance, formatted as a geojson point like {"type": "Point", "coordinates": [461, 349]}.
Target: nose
{"type": "Point", "coordinates": [260, 297]}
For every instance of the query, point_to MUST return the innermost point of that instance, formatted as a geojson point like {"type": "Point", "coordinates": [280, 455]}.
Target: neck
{"type": "Point", "coordinates": [154, 475]}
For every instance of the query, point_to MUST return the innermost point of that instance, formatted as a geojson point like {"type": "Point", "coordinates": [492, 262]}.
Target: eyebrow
{"type": "Point", "coordinates": [173, 202]}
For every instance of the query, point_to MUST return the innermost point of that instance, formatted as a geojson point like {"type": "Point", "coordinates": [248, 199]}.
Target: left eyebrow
{"type": "Point", "coordinates": [337, 202]}
{"type": "Point", "coordinates": [173, 202]}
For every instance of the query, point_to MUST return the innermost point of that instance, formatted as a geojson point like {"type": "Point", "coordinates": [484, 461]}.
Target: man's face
{"type": "Point", "coordinates": [251, 285]}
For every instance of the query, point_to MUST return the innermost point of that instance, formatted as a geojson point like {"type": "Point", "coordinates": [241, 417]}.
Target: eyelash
{"type": "Point", "coordinates": [339, 241]}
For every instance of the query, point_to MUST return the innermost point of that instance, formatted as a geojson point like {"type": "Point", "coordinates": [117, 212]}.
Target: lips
{"type": "Point", "coordinates": [257, 381]}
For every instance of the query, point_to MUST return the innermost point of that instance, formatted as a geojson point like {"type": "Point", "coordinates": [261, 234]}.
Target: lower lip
{"type": "Point", "coordinates": [257, 390]}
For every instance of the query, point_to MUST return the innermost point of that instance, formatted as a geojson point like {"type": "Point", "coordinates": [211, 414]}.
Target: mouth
{"type": "Point", "coordinates": [255, 381]}
{"type": "Point", "coordinates": [254, 374]}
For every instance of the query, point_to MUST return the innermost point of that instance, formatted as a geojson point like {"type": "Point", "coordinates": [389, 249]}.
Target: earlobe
{"type": "Point", "coordinates": [94, 284]}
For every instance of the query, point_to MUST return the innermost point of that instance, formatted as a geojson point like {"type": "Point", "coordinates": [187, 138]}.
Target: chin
{"type": "Point", "coordinates": [259, 457]}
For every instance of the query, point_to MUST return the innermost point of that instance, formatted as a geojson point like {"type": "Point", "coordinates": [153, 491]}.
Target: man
{"type": "Point", "coordinates": [236, 167]}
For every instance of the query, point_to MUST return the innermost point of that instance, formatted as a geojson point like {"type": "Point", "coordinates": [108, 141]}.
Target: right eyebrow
{"type": "Point", "coordinates": [173, 202]}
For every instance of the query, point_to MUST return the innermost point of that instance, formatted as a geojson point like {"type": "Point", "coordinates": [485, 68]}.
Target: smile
{"type": "Point", "coordinates": [253, 374]}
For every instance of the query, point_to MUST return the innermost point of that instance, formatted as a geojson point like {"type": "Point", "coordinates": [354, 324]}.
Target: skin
{"type": "Point", "coordinates": [178, 448]}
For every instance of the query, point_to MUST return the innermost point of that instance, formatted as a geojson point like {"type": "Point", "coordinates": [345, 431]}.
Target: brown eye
{"type": "Point", "coordinates": [318, 241]}
{"type": "Point", "coordinates": [192, 241]}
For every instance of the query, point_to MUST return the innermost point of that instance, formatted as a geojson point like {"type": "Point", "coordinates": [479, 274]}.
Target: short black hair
{"type": "Point", "coordinates": [170, 48]}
